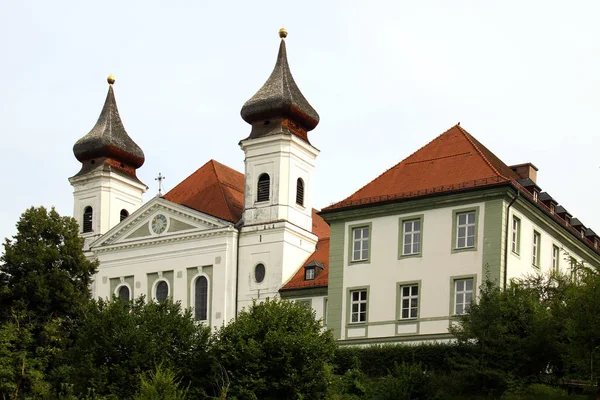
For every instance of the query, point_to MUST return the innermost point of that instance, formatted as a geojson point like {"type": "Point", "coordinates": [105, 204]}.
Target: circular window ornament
{"type": "Point", "coordinates": [259, 272]}
{"type": "Point", "coordinates": [159, 224]}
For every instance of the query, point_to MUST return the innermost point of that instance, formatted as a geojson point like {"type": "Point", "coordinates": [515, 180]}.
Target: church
{"type": "Point", "coordinates": [395, 261]}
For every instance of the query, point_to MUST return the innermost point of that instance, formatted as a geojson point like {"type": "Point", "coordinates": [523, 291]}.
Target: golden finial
{"type": "Point", "coordinates": [110, 79]}
{"type": "Point", "coordinates": [283, 33]}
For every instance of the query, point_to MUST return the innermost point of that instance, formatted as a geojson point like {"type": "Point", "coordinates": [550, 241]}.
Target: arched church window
{"type": "Point", "coordinates": [124, 214]}
{"type": "Point", "coordinates": [300, 192]}
{"type": "Point", "coordinates": [264, 183]}
{"type": "Point", "coordinates": [88, 214]}
{"type": "Point", "coordinates": [201, 299]}
{"type": "Point", "coordinates": [123, 292]}
{"type": "Point", "coordinates": [162, 291]}
{"type": "Point", "coordinates": [259, 273]}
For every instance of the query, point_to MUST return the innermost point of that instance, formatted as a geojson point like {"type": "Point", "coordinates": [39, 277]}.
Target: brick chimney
{"type": "Point", "coordinates": [525, 171]}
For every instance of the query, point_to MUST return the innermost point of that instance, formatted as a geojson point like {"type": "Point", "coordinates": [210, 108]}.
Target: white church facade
{"type": "Point", "coordinates": [396, 261]}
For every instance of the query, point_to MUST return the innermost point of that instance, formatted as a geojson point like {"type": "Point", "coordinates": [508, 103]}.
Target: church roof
{"type": "Point", "coordinates": [108, 138]}
{"type": "Point", "coordinates": [453, 161]}
{"type": "Point", "coordinates": [280, 97]}
{"type": "Point", "coordinates": [321, 255]}
{"type": "Point", "coordinates": [213, 189]}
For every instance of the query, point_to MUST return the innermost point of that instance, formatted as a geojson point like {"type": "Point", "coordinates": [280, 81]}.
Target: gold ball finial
{"type": "Point", "coordinates": [283, 33]}
{"type": "Point", "coordinates": [110, 79]}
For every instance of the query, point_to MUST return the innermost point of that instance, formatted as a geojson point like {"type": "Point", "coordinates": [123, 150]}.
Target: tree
{"type": "Point", "coordinates": [119, 340]}
{"type": "Point", "coordinates": [44, 271]}
{"type": "Point", "coordinates": [44, 288]}
{"type": "Point", "coordinates": [275, 350]}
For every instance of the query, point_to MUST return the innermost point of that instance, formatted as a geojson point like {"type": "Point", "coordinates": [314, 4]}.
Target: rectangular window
{"type": "Point", "coordinates": [309, 273]}
{"type": "Point", "coordinates": [412, 237]}
{"type": "Point", "coordinates": [305, 303]}
{"type": "Point", "coordinates": [463, 295]}
{"type": "Point", "coordinates": [409, 301]}
{"type": "Point", "coordinates": [325, 311]}
{"type": "Point", "coordinates": [555, 257]}
{"type": "Point", "coordinates": [535, 254]}
{"type": "Point", "coordinates": [360, 244]}
{"type": "Point", "coordinates": [515, 235]}
{"type": "Point", "coordinates": [358, 304]}
{"type": "Point", "coordinates": [465, 230]}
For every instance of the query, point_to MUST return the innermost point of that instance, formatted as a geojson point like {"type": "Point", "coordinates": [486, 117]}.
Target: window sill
{"type": "Point", "coordinates": [407, 320]}
{"type": "Point", "coordinates": [415, 255]}
{"type": "Point", "coordinates": [357, 323]}
{"type": "Point", "coordinates": [515, 254]}
{"type": "Point", "coordinates": [359, 262]}
{"type": "Point", "coordinates": [464, 249]}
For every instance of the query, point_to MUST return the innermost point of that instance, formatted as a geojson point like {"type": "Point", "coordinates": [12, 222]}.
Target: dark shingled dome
{"type": "Point", "coordinates": [108, 138]}
{"type": "Point", "coordinates": [280, 98]}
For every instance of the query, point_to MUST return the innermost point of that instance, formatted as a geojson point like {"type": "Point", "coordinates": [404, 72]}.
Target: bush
{"type": "Point", "coordinates": [404, 382]}
{"type": "Point", "coordinates": [161, 384]}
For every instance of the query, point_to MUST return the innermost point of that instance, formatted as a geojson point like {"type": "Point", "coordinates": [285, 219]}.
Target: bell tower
{"type": "Point", "coordinates": [106, 189]}
{"type": "Point", "coordinates": [276, 235]}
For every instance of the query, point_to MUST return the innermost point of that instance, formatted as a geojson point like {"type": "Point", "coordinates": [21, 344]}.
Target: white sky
{"type": "Point", "coordinates": [386, 78]}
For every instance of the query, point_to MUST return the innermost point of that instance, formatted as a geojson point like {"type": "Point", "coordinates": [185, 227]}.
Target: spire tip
{"type": "Point", "coordinates": [283, 33]}
{"type": "Point", "coordinates": [110, 79]}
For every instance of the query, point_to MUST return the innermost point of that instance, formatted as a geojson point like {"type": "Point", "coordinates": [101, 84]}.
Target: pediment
{"type": "Point", "coordinates": [178, 220]}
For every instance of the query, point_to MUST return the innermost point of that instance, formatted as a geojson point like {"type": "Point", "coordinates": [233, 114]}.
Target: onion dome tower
{"type": "Point", "coordinates": [276, 229]}
{"type": "Point", "coordinates": [279, 105]}
{"type": "Point", "coordinates": [106, 188]}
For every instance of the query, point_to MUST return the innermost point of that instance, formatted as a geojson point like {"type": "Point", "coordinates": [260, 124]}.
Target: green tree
{"type": "Point", "coordinates": [119, 340]}
{"type": "Point", "coordinates": [44, 289]}
{"type": "Point", "coordinates": [275, 350]}
{"type": "Point", "coordinates": [161, 384]}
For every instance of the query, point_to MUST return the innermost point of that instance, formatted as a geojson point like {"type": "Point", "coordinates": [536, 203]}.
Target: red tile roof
{"type": "Point", "coordinates": [321, 255]}
{"type": "Point", "coordinates": [214, 189]}
{"type": "Point", "coordinates": [454, 160]}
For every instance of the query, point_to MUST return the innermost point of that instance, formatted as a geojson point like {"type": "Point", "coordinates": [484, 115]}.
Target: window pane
{"type": "Point", "coordinates": [471, 218]}
{"type": "Point", "coordinates": [417, 225]}
{"type": "Point", "coordinates": [356, 233]}
{"type": "Point", "coordinates": [363, 295]}
{"type": "Point", "coordinates": [416, 248]}
{"type": "Point", "coordinates": [365, 233]}
{"type": "Point", "coordinates": [460, 286]}
{"type": "Point", "coordinates": [124, 292]}
{"type": "Point", "coordinates": [162, 291]}
{"type": "Point", "coordinates": [365, 254]}
{"type": "Point", "coordinates": [459, 298]}
{"type": "Point", "coordinates": [355, 317]}
{"type": "Point", "coordinates": [406, 291]}
{"type": "Point", "coordinates": [354, 296]}
{"type": "Point", "coordinates": [462, 232]}
{"type": "Point", "coordinates": [462, 219]}
{"type": "Point", "coordinates": [471, 230]}
{"type": "Point", "coordinates": [363, 308]}
{"type": "Point", "coordinates": [413, 302]}
{"type": "Point", "coordinates": [405, 313]}
{"type": "Point", "coordinates": [415, 290]}
{"type": "Point", "coordinates": [461, 242]}
{"type": "Point", "coordinates": [407, 239]}
{"type": "Point", "coordinates": [201, 299]}
{"type": "Point", "coordinates": [405, 303]}
{"type": "Point", "coordinates": [408, 227]}
{"type": "Point", "coordinates": [459, 308]}
{"type": "Point", "coordinates": [469, 284]}
{"type": "Point", "coordinates": [407, 249]}
{"type": "Point", "coordinates": [468, 297]}
{"type": "Point", "coordinates": [471, 241]}
{"type": "Point", "coordinates": [356, 255]}
{"type": "Point", "coordinates": [356, 245]}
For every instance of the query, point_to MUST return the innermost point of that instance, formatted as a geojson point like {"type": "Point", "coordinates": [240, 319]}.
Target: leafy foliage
{"type": "Point", "coordinates": [161, 384]}
{"type": "Point", "coordinates": [275, 350]}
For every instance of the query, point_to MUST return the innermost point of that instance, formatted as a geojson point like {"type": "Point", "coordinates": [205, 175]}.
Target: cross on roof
{"type": "Point", "coordinates": [160, 178]}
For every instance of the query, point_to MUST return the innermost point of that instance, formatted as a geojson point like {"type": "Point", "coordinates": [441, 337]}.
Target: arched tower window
{"type": "Point", "coordinates": [123, 292]}
{"type": "Point", "coordinates": [88, 214]}
{"type": "Point", "coordinates": [162, 291]}
{"type": "Point", "coordinates": [124, 214]}
{"type": "Point", "coordinates": [201, 299]}
{"type": "Point", "coordinates": [300, 192]}
{"type": "Point", "coordinates": [264, 184]}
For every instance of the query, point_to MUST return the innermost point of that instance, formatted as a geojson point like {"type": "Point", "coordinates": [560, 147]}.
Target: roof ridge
{"type": "Point", "coordinates": [439, 158]}
{"type": "Point", "coordinates": [394, 166]}
{"type": "Point", "coordinates": [212, 162]}
{"type": "Point", "coordinates": [467, 135]}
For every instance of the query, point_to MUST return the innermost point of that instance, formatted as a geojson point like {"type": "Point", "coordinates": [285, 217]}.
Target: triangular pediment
{"type": "Point", "coordinates": [157, 220]}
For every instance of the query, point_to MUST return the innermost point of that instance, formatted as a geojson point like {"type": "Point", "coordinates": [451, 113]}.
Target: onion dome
{"type": "Point", "coordinates": [108, 142]}
{"type": "Point", "coordinates": [280, 98]}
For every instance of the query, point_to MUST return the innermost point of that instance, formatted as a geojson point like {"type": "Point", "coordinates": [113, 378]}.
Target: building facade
{"type": "Point", "coordinates": [396, 261]}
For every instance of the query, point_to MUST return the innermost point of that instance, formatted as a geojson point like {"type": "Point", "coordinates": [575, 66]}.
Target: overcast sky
{"type": "Point", "coordinates": [386, 78]}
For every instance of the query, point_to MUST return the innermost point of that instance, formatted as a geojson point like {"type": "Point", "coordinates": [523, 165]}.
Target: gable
{"type": "Point", "coordinates": [179, 221]}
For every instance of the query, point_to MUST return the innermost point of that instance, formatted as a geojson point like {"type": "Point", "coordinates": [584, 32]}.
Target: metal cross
{"type": "Point", "coordinates": [160, 179]}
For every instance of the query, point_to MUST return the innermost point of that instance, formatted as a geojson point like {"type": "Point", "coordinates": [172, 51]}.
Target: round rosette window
{"type": "Point", "coordinates": [259, 272]}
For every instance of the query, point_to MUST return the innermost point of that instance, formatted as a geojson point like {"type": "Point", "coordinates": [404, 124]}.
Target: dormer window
{"type": "Point", "coordinates": [535, 196]}
{"type": "Point", "coordinates": [88, 214]}
{"type": "Point", "coordinates": [552, 208]}
{"type": "Point", "coordinates": [309, 273]}
{"type": "Point", "coordinates": [300, 192]}
{"type": "Point", "coordinates": [263, 188]}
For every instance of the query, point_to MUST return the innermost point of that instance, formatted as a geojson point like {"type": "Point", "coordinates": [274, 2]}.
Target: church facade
{"type": "Point", "coordinates": [396, 261]}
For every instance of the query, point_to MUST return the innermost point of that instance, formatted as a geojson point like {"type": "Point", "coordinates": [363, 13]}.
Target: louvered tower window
{"type": "Point", "coordinates": [300, 192]}
{"type": "Point", "coordinates": [201, 299]}
{"type": "Point", "coordinates": [88, 213]}
{"type": "Point", "coordinates": [124, 214]}
{"type": "Point", "coordinates": [264, 183]}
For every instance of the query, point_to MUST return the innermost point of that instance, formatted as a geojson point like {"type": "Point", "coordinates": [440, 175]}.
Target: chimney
{"type": "Point", "coordinates": [525, 171]}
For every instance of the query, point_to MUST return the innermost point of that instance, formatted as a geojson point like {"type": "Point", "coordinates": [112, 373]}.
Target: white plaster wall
{"type": "Point", "coordinates": [216, 251]}
{"type": "Point", "coordinates": [433, 269]}
{"type": "Point", "coordinates": [522, 264]}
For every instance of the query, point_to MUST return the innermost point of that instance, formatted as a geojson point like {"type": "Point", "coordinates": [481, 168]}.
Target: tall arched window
{"type": "Point", "coordinates": [88, 214]}
{"type": "Point", "coordinates": [162, 291]}
{"type": "Point", "coordinates": [264, 183]}
{"type": "Point", "coordinates": [124, 214]}
{"type": "Point", "coordinates": [123, 292]}
{"type": "Point", "coordinates": [201, 299]}
{"type": "Point", "coordinates": [300, 192]}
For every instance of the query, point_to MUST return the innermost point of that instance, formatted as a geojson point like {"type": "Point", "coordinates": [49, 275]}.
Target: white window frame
{"type": "Point", "coordinates": [466, 226]}
{"type": "Point", "coordinates": [363, 242]}
{"type": "Point", "coordinates": [411, 235]}
{"type": "Point", "coordinates": [515, 234]}
{"type": "Point", "coordinates": [555, 257]}
{"type": "Point", "coordinates": [535, 249]}
{"type": "Point", "coordinates": [119, 286]}
{"type": "Point", "coordinates": [155, 285]}
{"type": "Point", "coordinates": [410, 297]}
{"type": "Point", "coordinates": [313, 275]}
{"type": "Point", "coordinates": [361, 315]}
{"type": "Point", "coordinates": [464, 303]}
